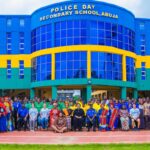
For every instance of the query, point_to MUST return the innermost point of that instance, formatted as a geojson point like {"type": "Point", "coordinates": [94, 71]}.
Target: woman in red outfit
{"type": "Point", "coordinates": [54, 113]}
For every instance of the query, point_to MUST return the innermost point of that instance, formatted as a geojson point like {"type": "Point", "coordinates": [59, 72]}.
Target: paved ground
{"type": "Point", "coordinates": [48, 137]}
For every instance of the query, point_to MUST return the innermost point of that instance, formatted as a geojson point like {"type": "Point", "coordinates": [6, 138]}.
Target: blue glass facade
{"type": "Point", "coordinates": [41, 68]}
{"type": "Point", "coordinates": [106, 66]}
{"type": "Point", "coordinates": [71, 65]}
{"type": "Point", "coordinates": [77, 32]}
{"type": "Point", "coordinates": [42, 38]}
{"type": "Point", "coordinates": [130, 67]}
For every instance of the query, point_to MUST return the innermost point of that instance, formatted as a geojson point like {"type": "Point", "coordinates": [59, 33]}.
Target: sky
{"type": "Point", "coordinates": [139, 7]}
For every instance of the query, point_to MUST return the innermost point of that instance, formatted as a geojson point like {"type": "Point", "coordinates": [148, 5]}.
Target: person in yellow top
{"type": "Point", "coordinates": [86, 107]}
{"type": "Point", "coordinates": [97, 105]}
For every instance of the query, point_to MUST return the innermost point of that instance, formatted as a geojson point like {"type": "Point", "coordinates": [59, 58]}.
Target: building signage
{"type": "Point", "coordinates": [74, 9]}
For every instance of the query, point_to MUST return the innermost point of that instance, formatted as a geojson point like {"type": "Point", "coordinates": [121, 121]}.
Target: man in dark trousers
{"type": "Point", "coordinates": [22, 117]}
{"type": "Point", "coordinates": [78, 118]}
{"type": "Point", "coordinates": [16, 106]}
{"type": "Point", "coordinates": [91, 118]}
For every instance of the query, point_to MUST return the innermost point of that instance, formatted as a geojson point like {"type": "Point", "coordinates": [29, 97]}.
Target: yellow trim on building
{"type": "Point", "coordinates": [15, 60]}
{"type": "Point", "coordinates": [141, 59]}
{"type": "Point", "coordinates": [89, 48]}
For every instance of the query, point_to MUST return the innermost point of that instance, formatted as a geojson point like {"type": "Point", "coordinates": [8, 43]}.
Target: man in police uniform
{"type": "Point", "coordinates": [22, 116]}
{"type": "Point", "coordinates": [91, 118]}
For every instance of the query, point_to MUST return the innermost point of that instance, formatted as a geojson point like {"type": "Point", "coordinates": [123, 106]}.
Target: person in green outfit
{"type": "Point", "coordinates": [61, 104]}
{"type": "Point", "coordinates": [39, 106]}
{"type": "Point", "coordinates": [49, 104]}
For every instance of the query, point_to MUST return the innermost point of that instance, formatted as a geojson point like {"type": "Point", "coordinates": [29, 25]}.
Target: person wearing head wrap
{"type": "Point", "coordinates": [60, 123]}
{"type": "Point", "coordinates": [3, 121]}
{"type": "Point", "coordinates": [54, 114]}
{"type": "Point", "coordinates": [113, 118]}
{"type": "Point", "coordinates": [78, 117]}
{"type": "Point", "coordinates": [102, 116]}
{"type": "Point", "coordinates": [91, 118]}
{"type": "Point", "coordinates": [124, 118]}
{"type": "Point", "coordinates": [68, 113]}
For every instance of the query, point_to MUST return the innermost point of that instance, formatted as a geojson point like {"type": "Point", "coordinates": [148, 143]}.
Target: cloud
{"type": "Point", "coordinates": [139, 7]}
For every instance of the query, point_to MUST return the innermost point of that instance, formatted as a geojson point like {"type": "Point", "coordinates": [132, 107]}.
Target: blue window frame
{"type": "Point", "coordinates": [71, 65]}
{"type": "Point", "coordinates": [9, 42]}
{"type": "Point", "coordinates": [9, 71]}
{"type": "Point", "coordinates": [143, 71]}
{"type": "Point", "coordinates": [76, 32]}
{"type": "Point", "coordinates": [130, 69]}
{"type": "Point", "coordinates": [21, 69]}
{"type": "Point", "coordinates": [106, 66]}
{"type": "Point", "coordinates": [41, 68]}
{"type": "Point", "coordinates": [41, 38]}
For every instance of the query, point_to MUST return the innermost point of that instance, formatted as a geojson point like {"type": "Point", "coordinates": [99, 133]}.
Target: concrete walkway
{"type": "Point", "coordinates": [48, 137]}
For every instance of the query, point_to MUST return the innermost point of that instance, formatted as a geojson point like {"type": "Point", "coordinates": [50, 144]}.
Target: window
{"type": "Point", "coordinates": [71, 65]}
{"type": "Point", "coordinates": [76, 32]}
{"type": "Point", "coordinates": [21, 42]}
{"type": "Point", "coordinates": [9, 43]}
{"type": "Point", "coordinates": [130, 69]}
{"type": "Point", "coordinates": [41, 68]}
{"type": "Point", "coordinates": [143, 45]}
{"type": "Point", "coordinates": [22, 22]}
{"type": "Point", "coordinates": [143, 71]}
{"type": "Point", "coordinates": [21, 69]}
{"type": "Point", "coordinates": [106, 66]}
{"type": "Point", "coordinates": [42, 38]}
{"type": "Point", "coordinates": [9, 69]}
{"type": "Point", "coordinates": [9, 22]}
{"type": "Point", "coordinates": [142, 26]}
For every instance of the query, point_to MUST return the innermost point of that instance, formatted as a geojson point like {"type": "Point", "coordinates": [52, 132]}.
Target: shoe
{"type": "Point", "coordinates": [94, 130]}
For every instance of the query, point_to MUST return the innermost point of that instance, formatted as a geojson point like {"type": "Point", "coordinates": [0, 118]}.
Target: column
{"type": "Point", "coordinates": [135, 93]}
{"type": "Point", "coordinates": [124, 74]}
{"type": "Point", "coordinates": [88, 64]}
{"type": "Point", "coordinates": [83, 95]}
{"type": "Point", "coordinates": [123, 93]}
{"type": "Point", "coordinates": [88, 92]}
{"type": "Point", "coordinates": [53, 65]}
{"type": "Point", "coordinates": [1, 93]}
{"type": "Point", "coordinates": [32, 93]}
{"type": "Point", "coordinates": [54, 92]}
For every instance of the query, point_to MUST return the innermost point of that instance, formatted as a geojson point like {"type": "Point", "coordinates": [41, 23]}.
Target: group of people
{"type": "Point", "coordinates": [62, 116]}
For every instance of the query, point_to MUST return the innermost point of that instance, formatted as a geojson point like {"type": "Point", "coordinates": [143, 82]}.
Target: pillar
{"type": "Point", "coordinates": [89, 64]}
{"type": "Point", "coordinates": [124, 74]}
{"type": "Point", "coordinates": [53, 66]}
{"type": "Point", "coordinates": [54, 92]}
{"type": "Point", "coordinates": [83, 94]}
{"type": "Point", "coordinates": [32, 93]}
{"type": "Point", "coordinates": [135, 93]}
{"type": "Point", "coordinates": [123, 93]}
{"type": "Point", "coordinates": [88, 92]}
{"type": "Point", "coordinates": [1, 93]}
